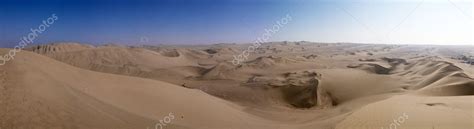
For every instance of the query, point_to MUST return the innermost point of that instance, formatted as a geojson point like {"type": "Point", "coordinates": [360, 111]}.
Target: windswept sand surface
{"type": "Point", "coordinates": [282, 85]}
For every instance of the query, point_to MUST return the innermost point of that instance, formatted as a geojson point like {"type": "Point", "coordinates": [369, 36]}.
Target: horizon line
{"type": "Point", "coordinates": [233, 43]}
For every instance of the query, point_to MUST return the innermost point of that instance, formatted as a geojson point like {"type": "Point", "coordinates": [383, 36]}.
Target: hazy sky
{"type": "Point", "coordinates": [238, 21]}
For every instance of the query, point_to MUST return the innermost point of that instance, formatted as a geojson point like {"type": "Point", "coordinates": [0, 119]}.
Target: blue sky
{"type": "Point", "coordinates": [239, 21]}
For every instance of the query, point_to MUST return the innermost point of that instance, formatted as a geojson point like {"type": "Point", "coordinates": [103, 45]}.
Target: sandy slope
{"type": "Point", "coordinates": [439, 95]}
{"type": "Point", "coordinates": [40, 92]}
{"type": "Point", "coordinates": [283, 85]}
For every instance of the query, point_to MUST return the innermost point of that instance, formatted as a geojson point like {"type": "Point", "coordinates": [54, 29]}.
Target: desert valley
{"type": "Point", "coordinates": [278, 85]}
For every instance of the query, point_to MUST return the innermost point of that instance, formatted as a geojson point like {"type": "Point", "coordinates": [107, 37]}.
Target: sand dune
{"type": "Point", "coordinates": [57, 95]}
{"type": "Point", "coordinates": [283, 85]}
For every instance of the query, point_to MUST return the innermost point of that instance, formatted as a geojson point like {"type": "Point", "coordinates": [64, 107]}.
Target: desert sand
{"type": "Point", "coordinates": [282, 85]}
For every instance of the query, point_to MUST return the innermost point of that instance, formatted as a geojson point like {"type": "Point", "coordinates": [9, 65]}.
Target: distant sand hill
{"type": "Point", "coordinates": [282, 85]}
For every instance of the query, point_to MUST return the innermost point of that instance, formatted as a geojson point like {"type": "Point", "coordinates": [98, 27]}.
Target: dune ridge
{"type": "Point", "coordinates": [286, 85]}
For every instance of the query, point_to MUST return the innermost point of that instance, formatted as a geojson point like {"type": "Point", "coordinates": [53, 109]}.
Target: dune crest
{"type": "Point", "coordinates": [286, 85]}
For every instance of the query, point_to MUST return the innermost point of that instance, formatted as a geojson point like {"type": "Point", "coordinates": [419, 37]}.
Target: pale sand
{"type": "Point", "coordinates": [283, 85]}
